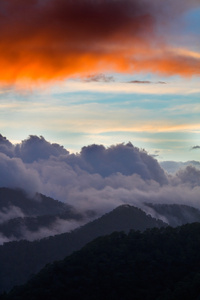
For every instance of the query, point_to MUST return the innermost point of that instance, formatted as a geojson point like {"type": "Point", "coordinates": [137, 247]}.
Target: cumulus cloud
{"type": "Point", "coordinates": [15, 174]}
{"type": "Point", "coordinates": [57, 39]}
{"type": "Point", "coordinates": [190, 175]}
{"type": "Point", "coordinates": [35, 148]}
{"type": "Point", "coordinates": [97, 178]}
{"type": "Point", "coordinates": [173, 166]}
{"type": "Point", "coordinates": [6, 147]}
{"type": "Point", "coordinates": [124, 159]}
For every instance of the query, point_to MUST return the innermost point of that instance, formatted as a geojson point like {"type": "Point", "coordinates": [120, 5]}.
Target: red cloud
{"type": "Point", "coordinates": [55, 39]}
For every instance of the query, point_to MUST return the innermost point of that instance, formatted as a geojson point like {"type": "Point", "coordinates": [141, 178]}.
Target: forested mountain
{"type": "Point", "coordinates": [36, 205]}
{"type": "Point", "coordinates": [19, 260]}
{"type": "Point", "coordinates": [158, 264]}
{"type": "Point", "coordinates": [33, 217]}
{"type": "Point", "coordinates": [175, 214]}
{"type": "Point", "coordinates": [17, 227]}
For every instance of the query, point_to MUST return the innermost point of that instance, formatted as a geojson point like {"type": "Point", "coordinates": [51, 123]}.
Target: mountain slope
{"type": "Point", "coordinates": [19, 228]}
{"type": "Point", "coordinates": [26, 217]}
{"type": "Point", "coordinates": [19, 260]}
{"type": "Point", "coordinates": [30, 206]}
{"type": "Point", "coordinates": [159, 264]}
{"type": "Point", "coordinates": [175, 214]}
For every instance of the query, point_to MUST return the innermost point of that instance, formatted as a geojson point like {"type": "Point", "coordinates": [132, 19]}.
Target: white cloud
{"type": "Point", "coordinates": [98, 178]}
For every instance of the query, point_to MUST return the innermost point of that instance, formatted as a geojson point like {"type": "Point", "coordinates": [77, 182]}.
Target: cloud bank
{"type": "Point", "coordinates": [97, 178]}
{"type": "Point", "coordinates": [56, 39]}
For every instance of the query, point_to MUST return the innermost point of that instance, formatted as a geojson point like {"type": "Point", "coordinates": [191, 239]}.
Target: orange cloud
{"type": "Point", "coordinates": [55, 39]}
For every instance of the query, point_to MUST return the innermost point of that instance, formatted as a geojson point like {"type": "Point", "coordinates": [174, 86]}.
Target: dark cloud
{"type": "Point", "coordinates": [15, 174]}
{"type": "Point", "coordinates": [140, 81]}
{"type": "Point", "coordinates": [155, 154]}
{"type": "Point", "coordinates": [146, 82]}
{"type": "Point", "coordinates": [56, 39]}
{"type": "Point", "coordinates": [189, 175]}
{"type": "Point", "coordinates": [6, 147]}
{"type": "Point", "coordinates": [35, 148]}
{"type": "Point", "coordinates": [124, 159]}
{"type": "Point", "coordinates": [195, 147]}
{"type": "Point", "coordinates": [174, 166]}
{"type": "Point", "coordinates": [99, 78]}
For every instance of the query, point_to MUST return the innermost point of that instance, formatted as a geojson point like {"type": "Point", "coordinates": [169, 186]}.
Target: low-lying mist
{"type": "Point", "coordinates": [97, 179]}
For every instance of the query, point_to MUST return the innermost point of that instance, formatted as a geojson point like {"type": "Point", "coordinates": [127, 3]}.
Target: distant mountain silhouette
{"type": "Point", "coordinates": [20, 213]}
{"type": "Point", "coordinates": [37, 205]}
{"type": "Point", "coordinates": [176, 214]}
{"type": "Point", "coordinates": [19, 260]}
{"type": "Point", "coordinates": [158, 264]}
{"type": "Point", "coordinates": [15, 228]}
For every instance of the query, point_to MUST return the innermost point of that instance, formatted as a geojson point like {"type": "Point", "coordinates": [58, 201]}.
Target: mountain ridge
{"type": "Point", "coordinates": [157, 264]}
{"type": "Point", "coordinates": [19, 260]}
{"type": "Point", "coordinates": [37, 204]}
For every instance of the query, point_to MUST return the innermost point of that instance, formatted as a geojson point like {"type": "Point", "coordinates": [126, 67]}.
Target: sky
{"type": "Point", "coordinates": [82, 72]}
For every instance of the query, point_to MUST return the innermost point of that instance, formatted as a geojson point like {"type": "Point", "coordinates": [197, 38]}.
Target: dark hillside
{"type": "Point", "coordinates": [19, 260]}
{"type": "Point", "coordinates": [159, 264]}
{"type": "Point", "coordinates": [16, 227]}
{"type": "Point", "coordinates": [31, 206]}
{"type": "Point", "coordinates": [176, 214]}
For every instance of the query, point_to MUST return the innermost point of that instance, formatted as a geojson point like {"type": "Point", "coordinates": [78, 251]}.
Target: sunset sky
{"type": "Point", "coordinates": [80, 72]}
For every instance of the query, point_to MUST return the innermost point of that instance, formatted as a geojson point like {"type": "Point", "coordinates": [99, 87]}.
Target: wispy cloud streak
{"type": "Point", "coordinates": [195, 147]}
